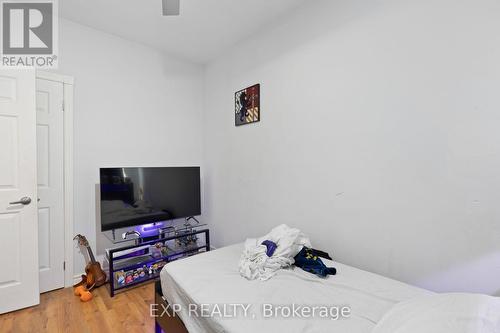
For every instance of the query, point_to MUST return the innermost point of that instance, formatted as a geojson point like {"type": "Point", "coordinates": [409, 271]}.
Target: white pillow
{"type": "Point", "coordinates": [443, 313]}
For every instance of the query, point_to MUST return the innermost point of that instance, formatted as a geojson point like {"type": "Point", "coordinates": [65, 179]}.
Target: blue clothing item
{"type": "Point", "coordinates": [309, 262]}
{"type": "Point", "coordinates": [271, 247]}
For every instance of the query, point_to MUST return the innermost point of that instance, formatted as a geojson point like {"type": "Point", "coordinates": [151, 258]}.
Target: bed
{"type": "Point", "coordinates": [212, 279]}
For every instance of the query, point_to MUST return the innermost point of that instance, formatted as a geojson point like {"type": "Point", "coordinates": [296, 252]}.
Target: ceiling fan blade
{"type": "Point", "coordinates": [171, 7]}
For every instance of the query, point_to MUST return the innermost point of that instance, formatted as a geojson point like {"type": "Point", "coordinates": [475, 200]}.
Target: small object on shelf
{"type": "Point", "coordinates": [169, 232]}
{"type": "Point", "coordinates": [129, 277]}
{"type": "Point", "coordinates": [136, 275]}
{"type": "Point", "coordinates": [150, 270]}
{"type": "Point", "coordinates": [120, 277]}
{"type": "Point", "coordinates": [156, 250]}
{"type": "Point", "coordinates": [141, 272]}
{"type": "Point", "coordinates": [187, 241]}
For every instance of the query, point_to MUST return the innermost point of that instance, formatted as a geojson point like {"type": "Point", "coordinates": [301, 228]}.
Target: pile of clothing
{"type": "Point", "coordinates": [282, 247]}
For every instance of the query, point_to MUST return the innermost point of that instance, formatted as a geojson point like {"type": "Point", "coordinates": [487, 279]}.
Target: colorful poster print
{"type": "Point", "coordinates": [247, 105]}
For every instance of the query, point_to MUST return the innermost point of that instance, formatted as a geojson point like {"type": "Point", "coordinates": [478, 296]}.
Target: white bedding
{"type": "Point", "coordinates": [439, 313]}
{"type": "Point", "coordinates": [256, 264]}
{"type": "Point", "coordinates": [213, 278]}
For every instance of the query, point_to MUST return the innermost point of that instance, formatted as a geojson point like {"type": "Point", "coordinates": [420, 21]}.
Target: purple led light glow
{"type": "Point", "coordinates": [149, 229]}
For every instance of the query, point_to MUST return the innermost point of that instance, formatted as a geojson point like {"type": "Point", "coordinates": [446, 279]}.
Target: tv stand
{"type": "Point", "coordinates": [132, 265]}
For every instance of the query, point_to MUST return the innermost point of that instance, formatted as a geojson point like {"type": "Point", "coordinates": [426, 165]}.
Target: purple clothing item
{"type": "Point", "coordinates": [271, 247]}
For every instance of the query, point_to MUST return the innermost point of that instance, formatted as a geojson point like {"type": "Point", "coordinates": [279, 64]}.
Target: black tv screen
{"type": "Point", "coordinates": [135, 196]}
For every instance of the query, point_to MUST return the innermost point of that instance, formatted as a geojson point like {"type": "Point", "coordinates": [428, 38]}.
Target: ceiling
{"type": "Point", "coordinates": [204, 29]}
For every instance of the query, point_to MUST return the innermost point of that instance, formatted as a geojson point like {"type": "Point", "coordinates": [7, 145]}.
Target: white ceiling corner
{"type": "Point", "coordinates": [203, 30]}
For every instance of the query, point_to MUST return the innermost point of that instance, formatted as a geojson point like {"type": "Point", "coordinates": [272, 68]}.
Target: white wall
{"type": "Point", "coordinates": [379, 138]}
{"type": "Point", "coordinates": [133, 106]}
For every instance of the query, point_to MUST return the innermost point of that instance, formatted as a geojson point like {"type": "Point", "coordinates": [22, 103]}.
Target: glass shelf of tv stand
{"type": "Point", "coordinates": [115, 236]}
{"type": "Point", "coordinates": [132, 264]}
{"type": "Point", "coordinates": [148, 261]}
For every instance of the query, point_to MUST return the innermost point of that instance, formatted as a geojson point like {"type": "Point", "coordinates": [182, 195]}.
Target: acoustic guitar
{"type": "Point", "coordinates": [94, 275]}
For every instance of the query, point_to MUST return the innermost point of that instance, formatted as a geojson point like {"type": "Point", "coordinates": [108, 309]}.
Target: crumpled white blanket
{"type": "Point", "coordinates": [254, 262]}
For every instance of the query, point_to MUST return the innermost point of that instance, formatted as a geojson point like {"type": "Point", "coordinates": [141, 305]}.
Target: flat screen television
{"type": "Point", "coordinates": [136, 196]}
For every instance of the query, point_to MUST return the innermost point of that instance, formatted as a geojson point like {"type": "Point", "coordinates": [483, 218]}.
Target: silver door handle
{"type": "Point", "coordinates": [22, 201]}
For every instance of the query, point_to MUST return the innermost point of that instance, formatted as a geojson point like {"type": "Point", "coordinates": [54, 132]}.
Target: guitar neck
{"type": "Point", "coordinates": [91, 255]}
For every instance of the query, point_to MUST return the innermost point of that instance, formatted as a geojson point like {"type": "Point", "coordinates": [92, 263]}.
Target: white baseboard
{"type": "Point", "coordinates": [77, 278]}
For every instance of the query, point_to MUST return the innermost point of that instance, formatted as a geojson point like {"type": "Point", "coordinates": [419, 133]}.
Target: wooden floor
{"type": "Point", "coordinates": [61, 311]}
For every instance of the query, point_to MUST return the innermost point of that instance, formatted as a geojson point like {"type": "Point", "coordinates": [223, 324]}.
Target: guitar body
{"type": "Point", "coordinates": [95, 274]}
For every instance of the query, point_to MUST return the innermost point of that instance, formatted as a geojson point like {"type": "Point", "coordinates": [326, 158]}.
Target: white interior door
{"type": "Point", "coordinates": [18, 221]}
{"type": "Point", "coordinates": [50, 161]}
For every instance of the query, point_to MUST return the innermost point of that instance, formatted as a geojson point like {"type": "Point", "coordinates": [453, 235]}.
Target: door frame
{"type": "Point", "coordinates": [68, 88]}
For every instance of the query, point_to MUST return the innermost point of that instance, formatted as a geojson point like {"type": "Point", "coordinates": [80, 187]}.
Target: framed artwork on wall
{"type": "Point", "coordinates": [247, 105]}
